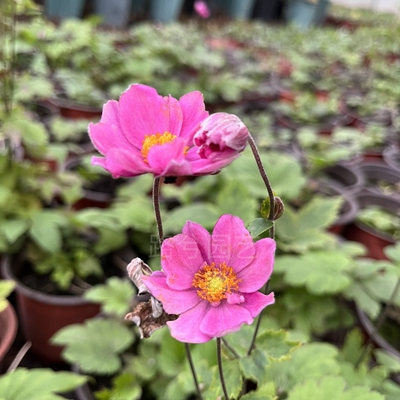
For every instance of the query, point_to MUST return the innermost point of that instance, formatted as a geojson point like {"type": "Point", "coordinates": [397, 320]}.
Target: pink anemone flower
{"type": "Point", "coordinates": [202, 9]}
{"type": "Point", "coordinates": [144, 132]}
{"type": "Point", "coordinates": [211, 281]}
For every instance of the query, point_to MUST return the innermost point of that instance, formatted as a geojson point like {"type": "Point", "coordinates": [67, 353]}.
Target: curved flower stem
{"type": "Point", "coordinates": [264, 177]}
{"type": "Point", "coordinates": [381, 319]}
{"type": "Point", "coordinates": [156, 205]}
{"type": "Point", "coordinates": [191, 364]}
{"type": "Point", "coordinates": [267, 183]}
{"type": "Point", "coordinates": [220, 369]}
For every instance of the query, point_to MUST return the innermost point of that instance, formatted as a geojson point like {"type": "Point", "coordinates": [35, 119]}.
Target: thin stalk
{"type": "Point", "coordinates": [257, 328]}
{"type": "Point", "coordinates": [267, 183]}
{"type": "Point", "coordinates": [20, 355]}
{"type": "Point", "coordinates": [381, 319]}
{"type": "Point", "coordinates": [157, 211]}
{"type": "Point", "coordinates": [230, 348]}
{"type": "Point", "coordinates": [220, 369]}
{"type": "Point", "coordinates": [191, 364]}
{"type": "Point", "coordinates": [264, 176]}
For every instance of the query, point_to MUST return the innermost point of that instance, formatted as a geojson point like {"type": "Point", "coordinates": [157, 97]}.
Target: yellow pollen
{"type": "Point", "coordinates": [153, 140]}
{"type": "Point", "coordinates": [213, 282]}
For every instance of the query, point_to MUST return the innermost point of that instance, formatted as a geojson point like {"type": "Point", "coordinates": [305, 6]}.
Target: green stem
{"type": "Point", "coordinates": [257, 328]}
{"type": "Point", "coordinates": [156, 205]}
{"type": "Point", "coordinates": [220, 369]}
{"type": "Point", "coordinates": [157, 212]}
{"type": "Point", "coordinates": [264, 177]}
{"type": "Point", "coordinates": [191, 364]}
{"type": "Point", "coordinates": [267, 183]}
{"type": "Point", "coordinates": [230, 348]}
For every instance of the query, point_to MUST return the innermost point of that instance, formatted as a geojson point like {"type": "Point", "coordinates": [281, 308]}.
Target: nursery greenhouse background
{"type": "Point", "coordinates": [106, 153]}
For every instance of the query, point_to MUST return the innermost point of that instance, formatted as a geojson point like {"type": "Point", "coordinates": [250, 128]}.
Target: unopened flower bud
{"type": "Point", "coordinates": [279, 208]}
{"type": "Point", "coordinates": [221, 136]}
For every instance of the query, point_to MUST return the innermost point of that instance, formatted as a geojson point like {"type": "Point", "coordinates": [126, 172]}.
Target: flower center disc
{"type": "Point", "coordinates": [214, 282]}
{"type": "Point", "coordinates": [153, 140]}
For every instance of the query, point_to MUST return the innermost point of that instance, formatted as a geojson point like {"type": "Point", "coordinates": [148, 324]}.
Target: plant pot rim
{"type": "Point", "coordinates": [67, 300]}
{"type": "Point", "coordinates": [376, 338]}
{"type": "Point", "coordinates": [62, 102]}
{"type": "Point", "coordinates": [10, 330]}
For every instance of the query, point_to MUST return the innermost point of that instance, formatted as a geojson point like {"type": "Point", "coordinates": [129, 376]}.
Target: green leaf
{"type": "Point", "coordinates": [254, 366]}
{"type": "Point", "coordinates": [171, 356]}
{"type": "Point", "coordinates": [283, 171]}
{"type": "Point", "coordinates": [388, 360]}
{"type": "Point", "coordinates": [37, 384]}
{"type": "Point", "coordinates": [331, 388]}
{"type": "Point", "coordinates": [304, 311]}
{"type": "Point", "coordinates": [259, 226]}
{"type": "Point", "coordinates": [311, 360]}
{"type": "Point", "coordinates": [202, 213]}
{"type": "Point", "coordinates": [304, 229]}
{"type": "Point", "coordinates": [13, 229]}
{"type": "Point", "coordinates": [96, 345]}
{"type": "Point", "coordinates": [115, 295]}
{"type": "Point", "coordinates": [393, 252]}
{"type": "Point", "coordinates": [321, 272]}
{"type": "Point", "coordinates": [6, 287]}
{"type": "Point", "coordinates": [124, 386]}
{"type": "Point", "coordinates": [227, 201]}
{"type": "Point", "coordinates": [45, 229]}
{"type": "Point", "coordinates": [275, 343]}
{"type": "Point", "coordinates": [32, 133]}
{"type": "Point", "coordinates": [353, 347]}
{"type": "Point", "coordinates": [136, 212]}
{"type": "Point", "coordinates": [233, 381]}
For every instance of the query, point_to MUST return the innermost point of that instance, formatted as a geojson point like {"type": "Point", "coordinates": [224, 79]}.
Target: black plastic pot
{"type": "Point", "coordinates": [349, 178]}
{"type": "Point", "coordinates": [377, 175]}
{"type": "Point", "coordinates": [42, 315]}
{"type": "Point", "coordinates": [349, 209]}
{"type": "Point", "coordinates": [374, 240]}
{"type": "Point", "coordinates": [391, 156]}
{"type": "Point", "coordinates": [268, 11]}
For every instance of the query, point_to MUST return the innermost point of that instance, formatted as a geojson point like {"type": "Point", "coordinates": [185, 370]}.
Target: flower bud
{"type": "Point", "coordinates": [221, 136]}
{"type": "Point", "coordinates": [279, 208]}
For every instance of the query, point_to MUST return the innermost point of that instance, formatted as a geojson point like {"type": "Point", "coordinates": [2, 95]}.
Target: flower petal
{"type": "Point", "coordinates": [173, 301]}
{"type": "Point", "coordinates": [144, 112]}
{"type": "Point", "coordinates": [224, 319]}
{"type": "Point", "coordinates": [203, 166]}
{"type": "Point", "coordinates": [232, 243]}
{"type": "Point", "coordinates": [121, 162]}
{"type": "Point", "coordinates": [108, 133]}
{"type": "Point", "coordinates": [194, 111]}
{"type": "Point", "coordinates": [180, 260]}
{"type": "Point", "coordinates": [255, 275]}
{"type": "Point", "coordinates": [186, 327]}
{"type": "Point", "coordinates": [201, 236]}
{"type": "Point", "coordinates": [169, 159]}
{"type": "Point", "coordinates": [105, 137]}
{"type": "Point", "coordinates": [256, 302]}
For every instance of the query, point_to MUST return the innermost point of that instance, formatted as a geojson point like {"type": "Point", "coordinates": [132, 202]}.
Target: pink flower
{"type": "Point", "coordinates": [221, 136]}
{"type": "Point", "coordinates": [202, 9]}
{"type": "Point", "coordinates": [144, 132]}
{"type": "Point", "coordinates": [212, 281]}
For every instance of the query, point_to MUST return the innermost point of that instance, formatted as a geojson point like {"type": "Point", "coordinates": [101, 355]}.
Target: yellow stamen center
{"type": "Point", "coordinates": [215, 282]}
{"type": "Point", "coordinates": [153, 140]}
